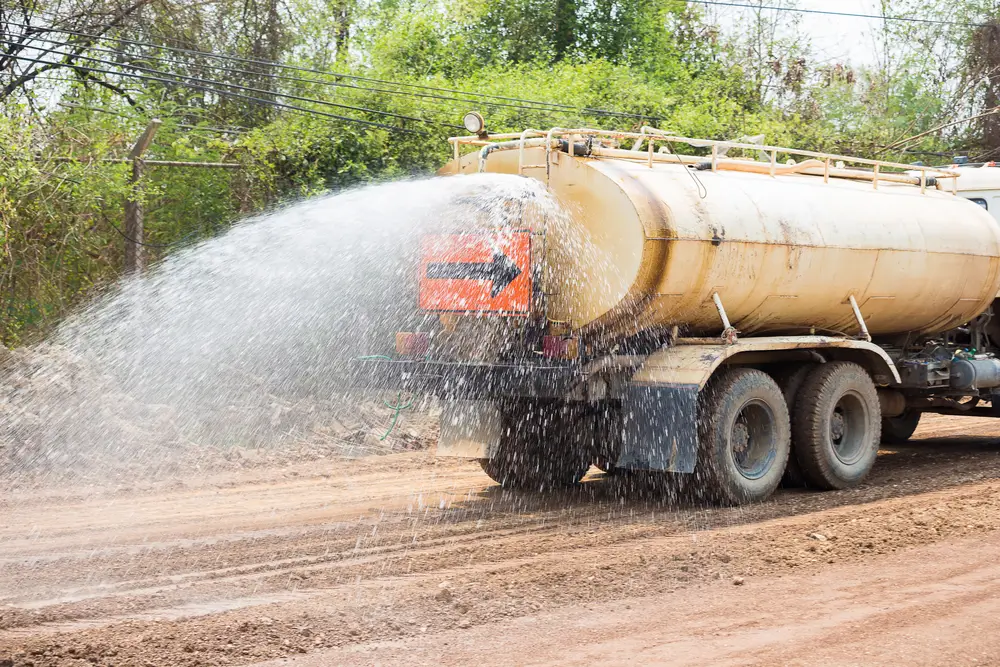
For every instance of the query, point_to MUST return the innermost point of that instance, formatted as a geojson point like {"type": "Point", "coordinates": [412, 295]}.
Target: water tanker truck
{"type": "Point", "coordinates": [736, 312]}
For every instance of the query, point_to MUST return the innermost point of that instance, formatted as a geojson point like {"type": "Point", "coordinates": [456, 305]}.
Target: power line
{"type": "Point", "coordinates": [222, 93]}
{"type": "Point", "coordinates": [824, 12]}
{"type": "Point", "coordinates": [67, 79]}
{"type": "Point", "coordinates": [186, 126]}
{"type": "Point", "coordinates": [535, 110]}
{"type": "Point", "coordinates": [280, 77]}
{"type": "Point", "coordinates": [214, 82]}
{"type": "Point", "coordinates": [171, 244]}
{"type": "Point", "coordinates": [553, 105]}
{"type": "Point", "coordinates": [325, 83]}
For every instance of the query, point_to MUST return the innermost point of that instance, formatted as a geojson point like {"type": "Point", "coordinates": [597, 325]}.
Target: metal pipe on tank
{"type": "Point", "coordinates": [861, 320]}
{"type": "Point", "coordinates": [504, 146]}
{"type": "Point", "coordinates": [548, 152]}
{"type": "Point", "coordinates": [726, 325]}
{"type": "Point", "coordinates": [809, 167]}
{"type": "Point", "coordinates": [520, 153]}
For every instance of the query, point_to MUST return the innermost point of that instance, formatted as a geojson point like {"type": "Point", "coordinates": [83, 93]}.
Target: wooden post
{"type": "Point", "coordinates": [135, 255]}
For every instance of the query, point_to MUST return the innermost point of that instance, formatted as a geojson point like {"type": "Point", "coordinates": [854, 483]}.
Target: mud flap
{"type": "Point", "coordinates": [660, 430]}
{"type": "Point", "coordinates": [470, 429]}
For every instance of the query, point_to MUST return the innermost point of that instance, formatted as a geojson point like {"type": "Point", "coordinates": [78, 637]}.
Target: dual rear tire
{"type": "Point", "coordinates": [747, 431]}
{"type": "Point", "coordinates": [821, 424]}
{"type": "Point", "coordinates": [538, 448]}
{"type": "Point", "coordinates": [837, 426]}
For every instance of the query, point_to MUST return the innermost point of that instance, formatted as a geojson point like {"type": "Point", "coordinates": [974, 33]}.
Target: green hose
{"type": "Point", "coordinates": [398, 407]}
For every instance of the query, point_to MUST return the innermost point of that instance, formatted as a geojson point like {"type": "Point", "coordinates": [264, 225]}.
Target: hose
{"type": "Point", "coordinates": [398, 407]}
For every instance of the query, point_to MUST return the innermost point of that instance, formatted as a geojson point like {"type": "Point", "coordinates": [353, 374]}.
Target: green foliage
{"type": "Point", "coordinates": [51, 215]}
{"type": "Point", "coordinates": [62, 206]}
{"type": "Point", "coordinates": [454, 40]}
{"type": "Point", "coordinates": [301, 156]}
{"type": "Point", "coordinates": [655, 62]}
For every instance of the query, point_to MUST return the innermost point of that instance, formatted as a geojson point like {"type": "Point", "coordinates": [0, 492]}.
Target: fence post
{"type": "Point", "coordinates": [135, 254]}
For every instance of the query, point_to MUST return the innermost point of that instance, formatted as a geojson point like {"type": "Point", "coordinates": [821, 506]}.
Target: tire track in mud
{"type": "Point", "coordinates": [457, 533]}
{"type": "Point", "coordinates": [286, 546]}
{"type": "Point", "coordinates": [511, 587]}
{"type": "Point", "coordinates": [928, 605]}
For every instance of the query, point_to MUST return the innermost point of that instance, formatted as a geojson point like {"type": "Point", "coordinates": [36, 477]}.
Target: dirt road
{"type": "Point", "coordinates": [402, 559]}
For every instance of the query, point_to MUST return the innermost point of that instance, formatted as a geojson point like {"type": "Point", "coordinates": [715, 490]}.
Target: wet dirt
{"type": "Point", "coordinates": [404, 559]}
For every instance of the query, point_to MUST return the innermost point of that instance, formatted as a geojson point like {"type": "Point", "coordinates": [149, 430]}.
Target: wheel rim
{"type": "Point", "coordinates": [849, 428]}
{"type": "Point", "coordinates": [752, 439]}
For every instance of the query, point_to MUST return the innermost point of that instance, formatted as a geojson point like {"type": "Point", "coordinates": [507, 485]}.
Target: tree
{"type": "Point", "coordinates": [26, 28]}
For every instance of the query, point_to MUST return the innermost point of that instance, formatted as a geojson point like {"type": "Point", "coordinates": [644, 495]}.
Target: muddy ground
{"type": "Point", "coordinates": [404, 559]}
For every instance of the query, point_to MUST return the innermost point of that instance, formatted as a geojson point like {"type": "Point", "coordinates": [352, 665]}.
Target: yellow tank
{"type": "Point", "coordinates": [648, 246]}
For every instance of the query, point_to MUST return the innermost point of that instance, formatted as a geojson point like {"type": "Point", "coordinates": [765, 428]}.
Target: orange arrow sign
{"type": "Point", "coordinates": [487, 272]}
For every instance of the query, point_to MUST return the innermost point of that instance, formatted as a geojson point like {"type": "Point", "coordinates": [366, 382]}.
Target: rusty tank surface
{"type": "Point", "coordinates": [770, 315]}
{"type": "Point", "coordinates": [784, 253]}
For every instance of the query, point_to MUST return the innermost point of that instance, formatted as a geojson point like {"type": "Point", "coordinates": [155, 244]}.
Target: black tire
{"type": "Point", "coordinates": [532, 471]}
{"type": "Point", "coordinates": [604, 465]}
{"type": "Point", "coordinates": [836, 425]}
{"type": "Point", "coordinates": [539, 450]}
{"type": "Point", "coordinates": [744, 437]}
{"type": "Point", "coordinates": [790, 382]}
{"type": "Point", "coordinates": [607, 427]}
{"type": "Point", "coordinates": [897, 430]}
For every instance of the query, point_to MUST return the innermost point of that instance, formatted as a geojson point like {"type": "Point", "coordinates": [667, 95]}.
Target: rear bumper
{"type": "Point", "coordinates": [658, 431]}
{"type": "Point", "coordinates": [469, 381]}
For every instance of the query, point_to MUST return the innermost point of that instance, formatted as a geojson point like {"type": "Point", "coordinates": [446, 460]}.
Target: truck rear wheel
{"type": "Point", "coordinates": [790, 382]}
{"type": "Point", "coordinates": [607, 439]}
{"type": "Point", "coordinates": [744, 436]}
{"type": "Point", "coordinates": [534, 470]}
{"type": "Point", "coordinates": [538, 450]}
{"type": "Point", "coordinates": [836, 425]}
{"type": "Point", "coordinates": [897, 430]}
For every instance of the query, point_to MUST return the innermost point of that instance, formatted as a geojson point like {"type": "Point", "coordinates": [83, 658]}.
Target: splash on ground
{"type": "Point", "coordinates": [307, 428]}
{"type": "Point", "coordinates": [239, 348]}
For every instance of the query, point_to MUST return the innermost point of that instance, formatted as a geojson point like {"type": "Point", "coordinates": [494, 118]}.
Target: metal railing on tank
{"type": "Point", "coordinates": [660, 149]}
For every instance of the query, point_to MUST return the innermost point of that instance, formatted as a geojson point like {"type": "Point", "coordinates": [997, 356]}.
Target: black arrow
{"type": "Point", "coordinates": [501, 269]}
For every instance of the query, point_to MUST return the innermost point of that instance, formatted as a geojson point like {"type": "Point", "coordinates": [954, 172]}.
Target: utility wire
{"type": "Point", "coordinates": [488, 104]}
{"type": "Point", "coordinates": [222, 93]}
{"type": "Point", "coordinates": [197, 128]}
{"type": "Point", "coordinates": [251, 89]}
{"type": "Point", "coordinates": [68, 79]}
{"type": "Point", "coordinates": [171, 244]}
{"type": "Point", "coordinates": [316, 81]}
{"type": "Point", "coordinates": [296, 79]}
{"type": "Point", "coordinates": [824, 12]}
{"type": "Point", "coordinates": [590, 111]}
{"type": "Point", "coordinates": [903, 142]}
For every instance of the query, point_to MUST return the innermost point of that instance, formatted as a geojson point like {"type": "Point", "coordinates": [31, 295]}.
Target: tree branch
{"type": "Point", "coordinates": [27, 38]}
{"type": "Point", "coordinates": [89, 76]}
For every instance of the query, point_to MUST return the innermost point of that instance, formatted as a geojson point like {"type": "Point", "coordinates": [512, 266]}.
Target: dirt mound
{"type": "Point", "coordinates": [62, 419]}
